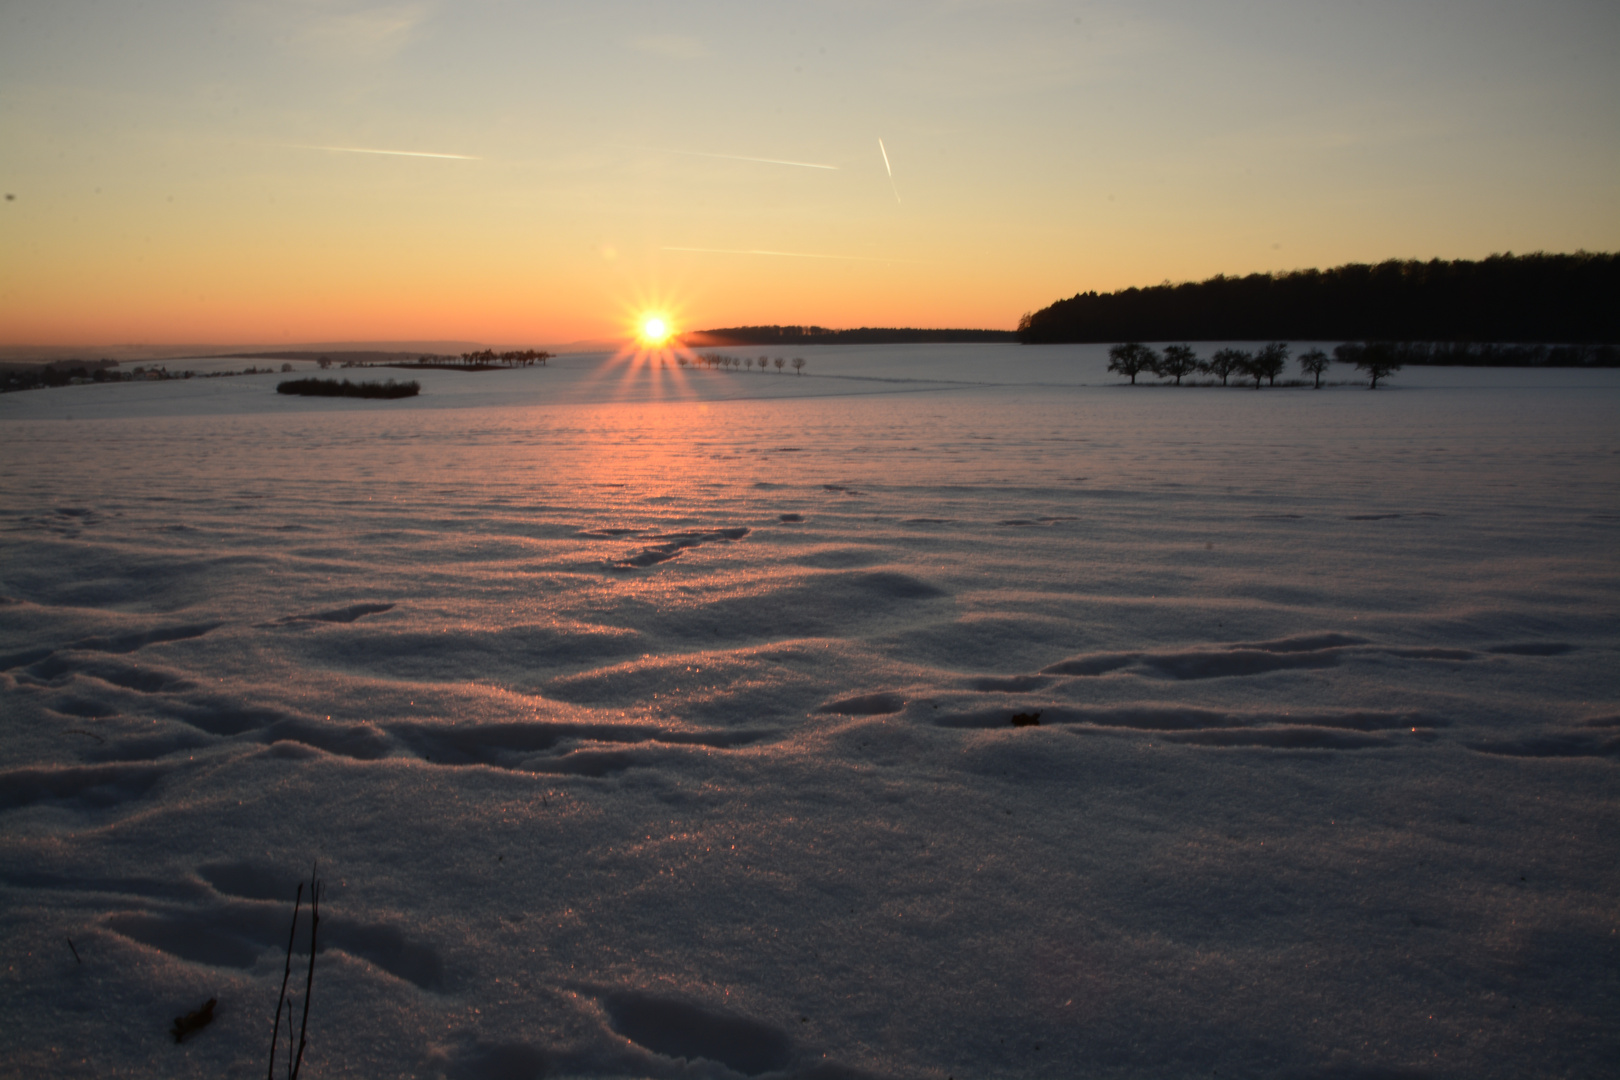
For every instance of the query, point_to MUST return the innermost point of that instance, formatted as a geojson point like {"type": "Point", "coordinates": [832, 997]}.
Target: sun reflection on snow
{"type": "Point", "coordinates": [653, 371]}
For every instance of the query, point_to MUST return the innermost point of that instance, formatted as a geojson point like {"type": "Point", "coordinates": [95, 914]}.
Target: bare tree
{"type": "Point", "coordinates": [1131, 359]}
{"type": "Point", "coordinates": [1268, 363]}
{"type": "Point", "coordinates": [1314, 363]}
{"type": "Point", "coordinates": [1378, 359]}
{"type": "Point", "coordinates": [1227, 361]}
{"type": "Point", "coordinates": [798, 364]}
{"type": "Point", "coordinates": [1178, 360]}
{"type": "Point", "coordinates": [779, 363]}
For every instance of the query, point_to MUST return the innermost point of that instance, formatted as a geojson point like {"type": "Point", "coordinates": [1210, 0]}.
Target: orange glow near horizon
{"type": "Point", "coordinates": [166, 182]}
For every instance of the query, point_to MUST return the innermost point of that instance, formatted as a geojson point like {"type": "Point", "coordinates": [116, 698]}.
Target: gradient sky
{"type": "Point", "coordinates": [169, 182]}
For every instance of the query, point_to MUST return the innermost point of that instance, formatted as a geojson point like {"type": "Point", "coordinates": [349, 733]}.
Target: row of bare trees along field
{"type": "Point", "coordinates": [1378, 360]}
{"type": "Point", "coordinates": [719, 361]}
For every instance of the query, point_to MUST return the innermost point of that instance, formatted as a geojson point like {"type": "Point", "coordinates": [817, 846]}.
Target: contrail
{"type": "Point", "coordinates": [785, 254]}
{"type": "Point", "coordinates": [890, 171]}
{"type": "Point", "coordinates": [391, 153]}
{"type": "Point", "coordinates": [735, 157]}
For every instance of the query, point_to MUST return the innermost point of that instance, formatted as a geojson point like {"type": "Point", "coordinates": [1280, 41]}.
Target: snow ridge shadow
{"type": "Point", "coordinates": [337, 615]}
{"type": "Point", "coordinates": [675, 543]}
{"type": "Point", "coordinates": [677, 1029]}
{"type": "Point", "coordinates": [577, 749]}
{"type": "Point", "coordinates": [1305, 651]}
{"type": "Point", "coordinates": [57, 669]}
{"type": "Point", "coordinates": [83, 787]}
{"type": "Point", "coordinates": [476, 1059]}
{"type": "Point", "coordinates": [113, 643]}
{"type": "Point", "coordinates": [228, 718]}
{"type": "Point", "coordinates": [1195, 725]}
{"type": "Point", "coordinates": [1555, 744]}
{"type": "Point", "coordinates": [247, 915]}
{"type": "Point", "coordinates": [1033, 522]}
{"type": "Point", "coordinates": [1273, 728]}
{"type": "Point", "coordinates": [880, 703]}
{"type": "Point", "coordinates": [1245, 658]}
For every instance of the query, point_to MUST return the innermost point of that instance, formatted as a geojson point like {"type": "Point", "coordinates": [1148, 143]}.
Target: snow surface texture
{"type": "Point", "coordinates": [650, 723]}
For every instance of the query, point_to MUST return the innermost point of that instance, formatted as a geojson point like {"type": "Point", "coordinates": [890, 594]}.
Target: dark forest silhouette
{"type": "Point", "coordinates": [1504, 298]}
{"type": "Point", "coordinates": [820, 335]}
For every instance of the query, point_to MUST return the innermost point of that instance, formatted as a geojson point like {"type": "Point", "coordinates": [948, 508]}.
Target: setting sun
{"type": "Point", "coordinates": [654, 331]}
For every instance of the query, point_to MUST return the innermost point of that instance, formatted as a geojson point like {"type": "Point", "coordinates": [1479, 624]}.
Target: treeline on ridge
{"type": "Point", "coordinates": [59, 373]}
{"type": "Point", "coordinates": [1504, 298]}
{"type": "Point", "coordinates": [820, 335]}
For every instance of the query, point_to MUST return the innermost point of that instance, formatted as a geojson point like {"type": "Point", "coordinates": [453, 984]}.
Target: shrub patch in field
{"type": "Point", "coordinates": [334, 388]}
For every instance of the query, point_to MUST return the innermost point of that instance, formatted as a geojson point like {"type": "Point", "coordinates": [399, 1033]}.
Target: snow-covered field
{"type": "Point", "coordinates": [659, 723]}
